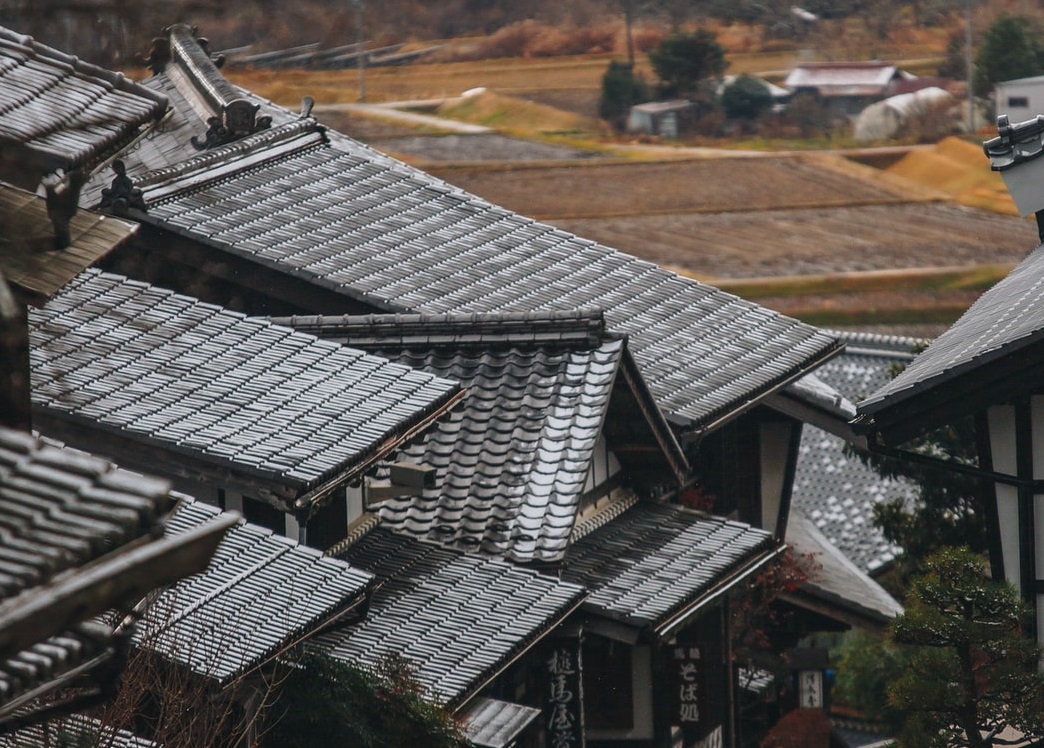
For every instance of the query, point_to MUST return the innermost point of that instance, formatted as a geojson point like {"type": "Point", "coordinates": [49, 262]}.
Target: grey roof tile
{"type": "Point", "coordinates": [339, 215]}
{"type": "Point", "coordinates": [63, 112]}
{"type": "Point", "coordinates": [653, 560]}
{"type": "Point", "coordinates": [61, 509]}
{"type": "Point", "coordinates": [834, 489]}
{"type": "Point", "coordinates": [200, 380]}
{"type": "Point", "coordinates": [1007, 318]}
{"type": "Point", "coordinates": [459, 618]}
{"type": "Point", "coordinates": [513, 461]}
{"type": "Point", "coordinates": [261, 593]}
{"type": "Point", "coordinates": [76, 730]}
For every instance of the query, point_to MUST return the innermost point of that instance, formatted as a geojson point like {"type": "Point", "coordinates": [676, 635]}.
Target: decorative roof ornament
{"type": "Point", "coordinates": [237, 119]}
{"type": "Point", "coordinates": [122, 195]}
{"type": "Point", "coordinates": [1016, 153]}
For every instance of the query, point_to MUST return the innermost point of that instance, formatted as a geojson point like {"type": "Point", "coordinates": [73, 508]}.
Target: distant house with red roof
{"type": "Point", "coordinates": [848, 87]}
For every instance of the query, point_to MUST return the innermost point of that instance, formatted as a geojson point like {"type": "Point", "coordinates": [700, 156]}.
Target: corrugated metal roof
{"type": "Point", "coordinates": [62, 112]}
{"type": "Point", "coordinates": [261, 593]}
{"type": "Point", "coordinates": [458, 618]}
{"type": "Point", "coordinates": [199, 380]}
{"type": "Point", "coordinates": [848, 78]}
{"type": "Point", "coordinates": [654, 560]}
{"type": "Point", "coordinates": [513, 461]}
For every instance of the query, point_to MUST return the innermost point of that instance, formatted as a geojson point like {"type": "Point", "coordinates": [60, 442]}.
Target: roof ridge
{"type": "Point", "coordinates": [258, 143]}
{"type": "Point", "coordinates": [457, 329]}
{"type": "Point", "coordinates": [884, 342]}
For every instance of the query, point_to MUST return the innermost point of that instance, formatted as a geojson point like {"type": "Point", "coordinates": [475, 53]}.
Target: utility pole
{"type": "Point", "coordinates": [968, 63]}
{"type": "Point", "coordinates": [360, 48]}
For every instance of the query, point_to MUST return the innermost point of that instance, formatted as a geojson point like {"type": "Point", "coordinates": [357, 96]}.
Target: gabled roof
{"type": "Point", "coordinates": [998, 338]}
{"type": "Point", "coordinates": [261, 594]}
{"type": "Point", "coordinates": [512, 464]}
{"type": "Point", "coordinates": [28, 257]}
{"type": "Point", "coordinates": [136, 368]}
{"type": "Point", "coordinates": [843, 78]}
{"type": "Point", "coordinates": [459, 618]}
{"type": "Point", "coordinates": [79, 536]}
{"type": "Point", "coordinates": [655, 566]}
{"type": "Point", "coordinates": [325, 211]}
{"type": "Point", "coordinates": [58, 112]}
{"type": "Point", "coordinates": [832, 487]}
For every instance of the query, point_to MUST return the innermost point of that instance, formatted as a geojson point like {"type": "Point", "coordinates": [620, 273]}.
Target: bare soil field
{"type": "Point", "coordinates": [709, 185]}
{"type": "Point", "coordinates": [812, 241]}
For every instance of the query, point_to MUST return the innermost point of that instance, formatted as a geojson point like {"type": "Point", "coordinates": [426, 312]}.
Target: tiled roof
{"type": "Point", "coordinates": [836, 578]}
{"type": "Point", "coordinates": [261, 593]}
{"type": "Point", "coordinates": [28, 258]}
{"type": "Point", "coordinates": [75, 730]}
{"type": "Point", "coordinates": [833, 488]}
{"type": "Point", "coordinates": [490, 723]}
{"type": "Point", "coordinates": [78, 536]}
{"type": "Point", "coordinates": [513, 462]}
{"type": "Point", "coordinates": [654, 562]}
{"type": "Point", "coordinates": [127, 358]}
{"type": "Point", "coordinates": [62, 509]}
{"type": "Point", "coordinates": [1007, 318]}
{"type": "Point", "coordinates": [62, 112]}
{"type": "Point", "coordinates": [334, 213]}
{"type": "Point", "coordinates": [459, 618]}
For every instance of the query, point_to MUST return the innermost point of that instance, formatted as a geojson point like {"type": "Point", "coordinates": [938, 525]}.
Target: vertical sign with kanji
{"type": "Point", "coordinates": [565, 721]}
{"type": "Point", "coordinates": [686, 665]}
{"type": "Point", "coordinates": [811, 688]}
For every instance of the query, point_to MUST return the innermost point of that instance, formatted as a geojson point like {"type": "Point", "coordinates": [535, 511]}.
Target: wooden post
{"type": "Point", "coordinates": [14, 361]}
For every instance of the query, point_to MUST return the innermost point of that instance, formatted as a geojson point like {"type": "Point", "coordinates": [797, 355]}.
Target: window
{"type": "Point", "coordinates": [264, 514]}
{"type": "Point", "coordinates": [1018, 101]}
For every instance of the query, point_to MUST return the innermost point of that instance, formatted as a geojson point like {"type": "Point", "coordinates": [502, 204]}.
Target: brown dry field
{"type": "Point", "coordinates": [812, 241]}
{"type": "Point", "coordinates": [705, 185]}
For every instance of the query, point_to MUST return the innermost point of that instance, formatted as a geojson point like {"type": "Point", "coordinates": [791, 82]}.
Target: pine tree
{"type": "Point", "coordinates": [974, 674]}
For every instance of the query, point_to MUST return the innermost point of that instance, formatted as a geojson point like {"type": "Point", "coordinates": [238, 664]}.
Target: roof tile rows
{"type": "Point", "coordinates": [832, 487]}
{"type": "Point", "coordinates": [513, 462]}
{"type": "Point", "coordinates": [653, 560]}
{"type": "Point", "coordinates": [64, 110]}
{"type": "Point", "coordinates": [261, 593]}
{"type": "Point", "coordinates": [1006, 318]}
{"type": "Point", "coordinates": [61, 509]}
{"type": "Point", "coordinates": [200, 380]}
{"type": "Point", "coordinates": [457, 617]}
{"type": "Point", "coordinates": [334, 213]}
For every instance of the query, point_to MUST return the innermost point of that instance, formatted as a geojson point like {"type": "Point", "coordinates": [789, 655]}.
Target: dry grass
{"type": "Point", "coordinates": [518, 116]}
{"type": "Point", "coordinates": [959, 169]}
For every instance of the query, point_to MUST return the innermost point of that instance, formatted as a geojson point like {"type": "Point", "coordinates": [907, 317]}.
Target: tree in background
{"type": "Point", "coordinates": [327, 703]}
{"type": "Point", "coordinates": [621, 89]}
{"type": "Point", "coordinates": [867, 664]}
{"type": "Point", "coordinates": [746, 98]}
{"type": "Point", "coordinates": [973, 673]}
{"type": "Point", "coordinates": [1010, 49]}
{"type": "Point", "coordinates": [685, 62]}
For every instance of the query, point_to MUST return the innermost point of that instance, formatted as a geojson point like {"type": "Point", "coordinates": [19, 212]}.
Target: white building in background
{"type": "Point", "coordinates": [1020, 99]}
